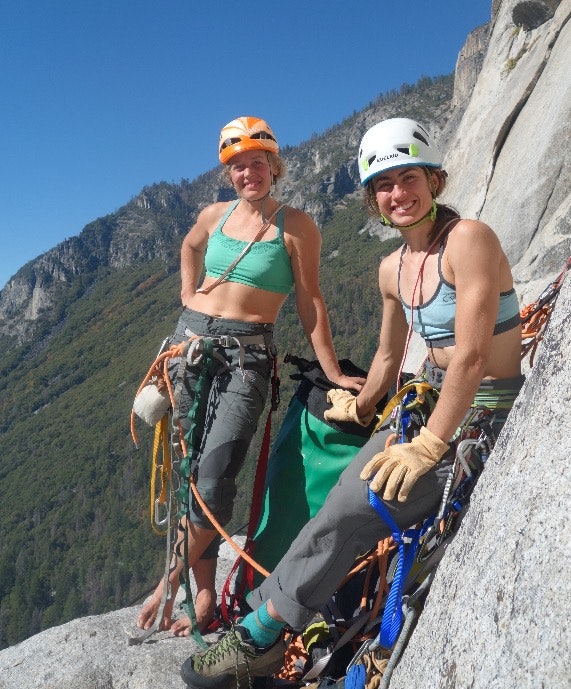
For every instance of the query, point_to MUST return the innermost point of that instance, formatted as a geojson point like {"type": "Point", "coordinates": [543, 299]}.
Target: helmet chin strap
{"type": "Point", "coordinates": [431, 215]}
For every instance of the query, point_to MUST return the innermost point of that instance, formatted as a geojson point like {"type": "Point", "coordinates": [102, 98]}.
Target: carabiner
{"type": "Point", "coordinates": [165, 519]}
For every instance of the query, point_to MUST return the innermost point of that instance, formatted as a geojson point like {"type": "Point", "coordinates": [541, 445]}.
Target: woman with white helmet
{"type": "Point", "coordinates": [254, 252]}
{"type": "Point", "coordinates": [451, 283]}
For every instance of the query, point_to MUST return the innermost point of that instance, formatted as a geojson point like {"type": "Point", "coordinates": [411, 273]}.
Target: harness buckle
{"type": "Point", "coordinates": [225, 341]}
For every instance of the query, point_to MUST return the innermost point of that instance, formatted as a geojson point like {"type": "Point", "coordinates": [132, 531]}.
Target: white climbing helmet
{"type": "Point", "coordinates": [394, 143]}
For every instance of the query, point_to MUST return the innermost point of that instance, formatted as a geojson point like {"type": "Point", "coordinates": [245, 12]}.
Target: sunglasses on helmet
{"type": "Point", "coordinates": [236, 139]}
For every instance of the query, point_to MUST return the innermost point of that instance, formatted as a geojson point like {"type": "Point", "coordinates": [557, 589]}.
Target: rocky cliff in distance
{"type": "Point", "coordinates": [497, 616]}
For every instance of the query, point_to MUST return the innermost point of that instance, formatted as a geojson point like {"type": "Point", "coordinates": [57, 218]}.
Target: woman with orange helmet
{"type": "Point", "coordinates": [253, 251]}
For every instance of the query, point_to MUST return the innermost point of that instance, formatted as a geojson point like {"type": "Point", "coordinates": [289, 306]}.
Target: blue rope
{"type": "Point", "coordinates": [407, 542]}
{"type": "Point", "coordinates": [356, 677]}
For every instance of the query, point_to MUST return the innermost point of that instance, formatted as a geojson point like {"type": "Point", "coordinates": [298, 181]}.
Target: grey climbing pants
{"type": "Point", "coordinates": [347, 526]}
{"type": "Point", "coordinates": [236, 388]}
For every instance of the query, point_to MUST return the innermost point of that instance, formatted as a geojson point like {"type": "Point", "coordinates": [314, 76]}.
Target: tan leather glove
{"type": "Point", "coordinates": [400, 466]}
{"type": "Point", "coordinates": [345, 408]}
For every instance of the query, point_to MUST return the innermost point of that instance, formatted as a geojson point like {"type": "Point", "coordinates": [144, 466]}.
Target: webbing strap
{"type": "Point", "coordinates": [166, 593]}
{"type": "Point", "coordinates": [407, 542]}
{"type": "Point", "coordinates": [184, 492]}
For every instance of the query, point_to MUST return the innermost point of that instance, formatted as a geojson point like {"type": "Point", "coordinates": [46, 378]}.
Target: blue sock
{"type": "Point", "coordinates": [262, 627]}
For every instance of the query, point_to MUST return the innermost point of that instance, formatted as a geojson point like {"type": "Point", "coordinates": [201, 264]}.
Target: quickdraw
{"type": "Point", "coordinates": [411, 393]}
{"type": "Point", "coordinates": [535, 316]}
{"type": "Point", "coordinates": [160, 523]}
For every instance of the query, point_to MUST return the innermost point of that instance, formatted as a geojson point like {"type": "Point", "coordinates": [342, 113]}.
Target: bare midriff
{"type": "Point", "coordinates": [238, 302]}
{"type": "Point", "coordinates": [504, 359]}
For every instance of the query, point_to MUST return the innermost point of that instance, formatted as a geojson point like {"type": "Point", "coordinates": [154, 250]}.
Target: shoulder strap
{"type": "Point", "coordinates": [444, 232]}
{"type": "Point", "coordinates": [403, 249]}
{"type": "Point", "coordinates": [265, 226]}
{"type": "Point", "coordinates": [227, 214]}
{"type": "Point", "coordinates": [279, 215]}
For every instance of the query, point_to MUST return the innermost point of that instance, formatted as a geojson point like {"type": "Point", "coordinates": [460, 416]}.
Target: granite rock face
{"type": "Point", "coordinates": [507, 160]}
{"type": "Point", "coordinates": [497, 615]}
{"type": "Point", "coordinates": [94, 652]}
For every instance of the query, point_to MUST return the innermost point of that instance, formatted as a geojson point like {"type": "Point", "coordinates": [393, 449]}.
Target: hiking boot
{"type": "Point", "coordinates": [232, 662]}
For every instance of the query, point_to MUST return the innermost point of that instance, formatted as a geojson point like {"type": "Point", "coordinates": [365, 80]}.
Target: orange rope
{"type": "Point", "coordinates": [535, 316]}
{"type": "Point", "coordinates": [224, 534]}
{"type": "Point", "coordinates": [379, 557]}
{"type": "Point", "coordinates": [159, 370]}
{"type": "Point", "coordinates": [384, 548]}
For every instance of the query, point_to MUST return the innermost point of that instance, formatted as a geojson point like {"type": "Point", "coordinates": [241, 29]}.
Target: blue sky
{"type": "Point", "coordinates": [102, 98]}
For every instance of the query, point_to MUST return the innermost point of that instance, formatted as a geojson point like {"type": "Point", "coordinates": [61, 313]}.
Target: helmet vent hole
{"type": "Point", "coordinates": [419, 136]}
{"type": "Point", "coordinates": [262, 135]}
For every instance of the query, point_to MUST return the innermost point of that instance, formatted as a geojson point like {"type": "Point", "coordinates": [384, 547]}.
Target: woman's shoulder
{"type": "Point", "coordinates": [388, 272]}
{"type": "Point", "coordinates": [206, 223]}
{"type": "Point", "coordinates": [298, 224]}
{"type": "Point", "coordinates": [214, 212]}
{"type": "Point", "coordinates": [391, 261]}
{"type": "Point", "coordinates": [469, 228]}
{"type": "Point", "coordinates": [292, 213]}
{"type": "Point", "coordinates": [470, 238]}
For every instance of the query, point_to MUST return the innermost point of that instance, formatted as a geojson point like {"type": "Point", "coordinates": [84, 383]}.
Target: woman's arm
{"type": "Point", "coordinates": [304, 243]}
{"type": "Point", "coordinates": [385, 366]}
{"type": "Point", "coordinates": [473, 254]}
{"type": "Point", "coordinates": [193, 250]}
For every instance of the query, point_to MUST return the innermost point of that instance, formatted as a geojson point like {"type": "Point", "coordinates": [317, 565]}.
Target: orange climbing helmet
{"type": "Point", "coordinates": [246, 134]}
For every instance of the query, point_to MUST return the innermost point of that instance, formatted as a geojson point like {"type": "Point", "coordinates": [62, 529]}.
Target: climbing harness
{"type": "Point", "coordinates": [396, 575]}
{"type": "Point", "coordinates": [175, 473]}
{"type": "Point", "coordinates": [421, 547]}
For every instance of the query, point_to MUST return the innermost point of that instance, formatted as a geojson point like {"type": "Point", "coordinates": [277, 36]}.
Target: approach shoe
{"type": "Point", "coordinates": [232, 662]}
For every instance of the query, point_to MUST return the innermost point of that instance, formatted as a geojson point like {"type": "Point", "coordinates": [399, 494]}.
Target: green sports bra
{"type": "Point", "coordinates": [265, 266]}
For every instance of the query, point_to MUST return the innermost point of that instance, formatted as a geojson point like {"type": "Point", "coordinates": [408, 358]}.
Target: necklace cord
{"type": "Point", "coordinates": [418, 277]}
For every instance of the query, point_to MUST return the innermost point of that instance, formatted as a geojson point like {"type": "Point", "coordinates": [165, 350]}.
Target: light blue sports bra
{"type": "Point", "coordinates": [266, 265]}
{"type": "Point", "coordinates": [434, 320]}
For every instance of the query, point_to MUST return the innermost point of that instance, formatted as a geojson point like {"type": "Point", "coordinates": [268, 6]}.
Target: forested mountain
{"type": "Point", "coordinates": [79, 327]}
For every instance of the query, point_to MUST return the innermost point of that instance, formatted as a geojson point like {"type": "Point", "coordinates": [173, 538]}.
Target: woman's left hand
{"type": "Point", "coordinates": [349, 382]}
